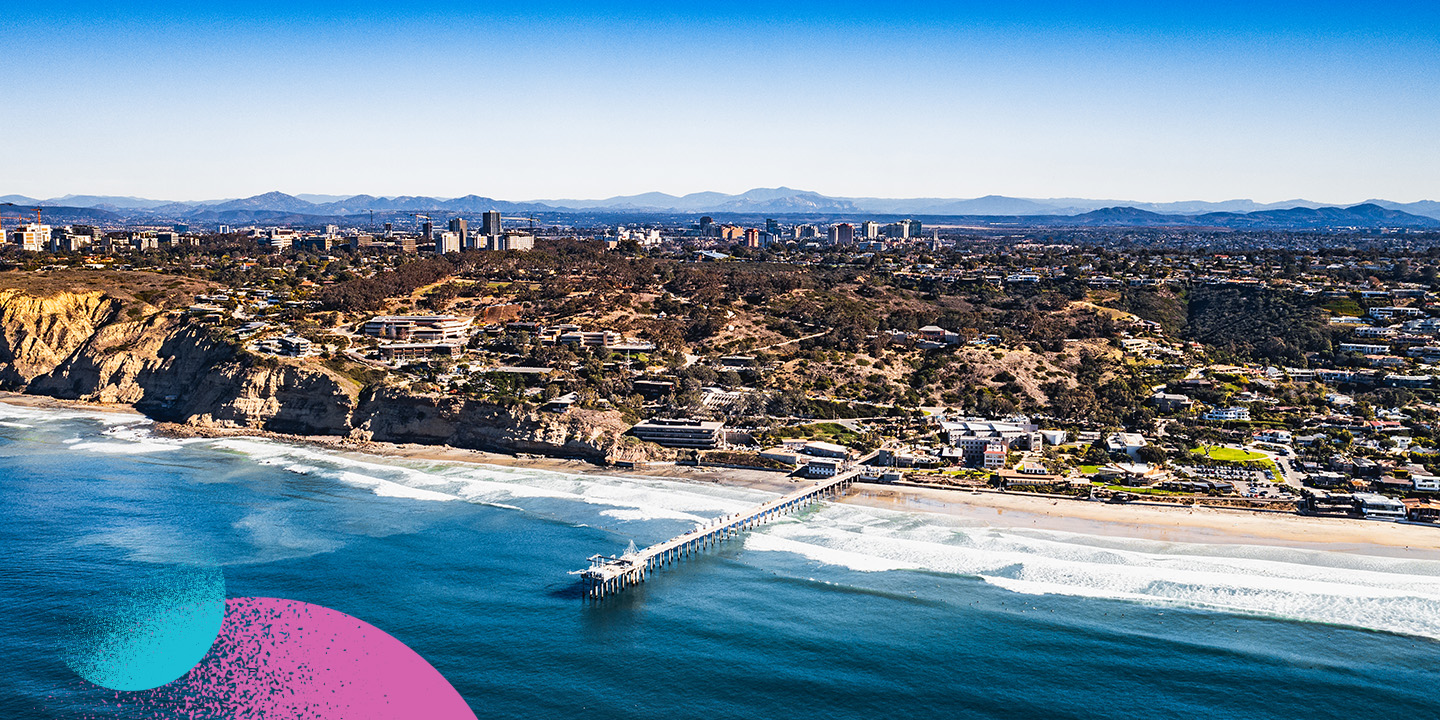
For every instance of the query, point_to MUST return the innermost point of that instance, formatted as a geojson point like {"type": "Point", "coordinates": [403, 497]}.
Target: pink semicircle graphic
{"type": "Point", "coordinates": [288, 659]}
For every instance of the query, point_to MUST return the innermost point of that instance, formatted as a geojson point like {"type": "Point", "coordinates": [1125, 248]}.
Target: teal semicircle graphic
{"type": "Point", "coordinates": [152, 632]}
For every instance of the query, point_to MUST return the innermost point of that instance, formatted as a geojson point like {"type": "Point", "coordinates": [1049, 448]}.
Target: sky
{"type": "Point", "coordinates": [528, 99]}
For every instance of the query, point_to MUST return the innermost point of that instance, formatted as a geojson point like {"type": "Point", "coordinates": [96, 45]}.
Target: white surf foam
{"type": "Point", "coordinates": [39, 415]}
{"type": "Point", "coordinates": [129, 439]}
{"type": "Point", "coordinates": [1398, 595]}
{"type": "Point", "coordinates": [766, 542]}
{"type": "Point", "coordinates": [126, 448]}
{"type": "Point", "coordinates": [386, 488]}
{"type": "Point", "coordinates": [624, 499]}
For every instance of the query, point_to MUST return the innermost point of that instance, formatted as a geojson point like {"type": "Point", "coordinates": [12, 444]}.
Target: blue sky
{"type": "Point", "coordinates": [551, 98]}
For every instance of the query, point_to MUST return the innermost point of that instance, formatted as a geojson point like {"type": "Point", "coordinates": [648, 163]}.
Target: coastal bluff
{"type": "Point", "coordinates": [98, 346]}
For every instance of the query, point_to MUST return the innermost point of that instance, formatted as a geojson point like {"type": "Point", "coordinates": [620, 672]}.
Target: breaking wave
{"type": "Point", "coordinates": [1377, 593]}
{"type": "Point", "coordinates": [1399, 595]}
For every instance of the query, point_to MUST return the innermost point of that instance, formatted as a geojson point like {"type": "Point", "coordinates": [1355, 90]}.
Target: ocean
{"type": "Point", "coordinates": [840, 612]}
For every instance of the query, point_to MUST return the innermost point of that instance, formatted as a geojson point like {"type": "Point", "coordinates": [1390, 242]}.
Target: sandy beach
{"type": "Point", "coordinates": [1162, 522]}
{"type": "Point", "coordinates": [49, 403]}
{"type": "Point", "coordinates": [1169, 523]}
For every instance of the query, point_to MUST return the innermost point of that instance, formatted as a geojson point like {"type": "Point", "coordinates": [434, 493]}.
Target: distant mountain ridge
{"type": "Point", "coordinates": [780, 201]}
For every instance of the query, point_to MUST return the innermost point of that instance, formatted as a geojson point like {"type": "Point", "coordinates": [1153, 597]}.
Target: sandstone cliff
{"type": "Point", "coordinates": [89, 346]}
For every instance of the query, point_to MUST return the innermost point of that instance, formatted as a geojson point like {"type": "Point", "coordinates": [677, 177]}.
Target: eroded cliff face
{"type": "Point", "coordinates": [38, 333]}
{"type": "Point", "coordinates": [87, 346]}
{"type": "Point", "coordinates": [393, 415]}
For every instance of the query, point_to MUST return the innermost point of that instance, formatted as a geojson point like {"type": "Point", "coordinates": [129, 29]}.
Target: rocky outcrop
{"type": "Point", "coordinates": [392, 415]}
{"type": "Point", "coordinates": [39, 333]}
{"type": "Point", "coordinates": [86, 346]}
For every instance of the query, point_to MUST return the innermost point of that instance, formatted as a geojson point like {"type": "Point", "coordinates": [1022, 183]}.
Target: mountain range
{"type": "Point", "coordinates": [278, 207]}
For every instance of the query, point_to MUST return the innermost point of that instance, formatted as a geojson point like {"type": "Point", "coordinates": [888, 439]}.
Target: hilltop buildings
{"type": "Point", "coordinates": [419, 328]}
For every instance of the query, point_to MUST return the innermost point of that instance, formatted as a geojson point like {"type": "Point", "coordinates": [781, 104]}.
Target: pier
{"type": "Point", "coordinates": [608, 574]}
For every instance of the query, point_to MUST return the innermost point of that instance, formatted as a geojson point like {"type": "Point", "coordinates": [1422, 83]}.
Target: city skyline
{"type": "Point", "coordinates": [1270, 101]}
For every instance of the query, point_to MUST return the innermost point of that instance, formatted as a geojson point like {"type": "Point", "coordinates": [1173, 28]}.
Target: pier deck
{"type": "Point", "coordinates": [608, 575]}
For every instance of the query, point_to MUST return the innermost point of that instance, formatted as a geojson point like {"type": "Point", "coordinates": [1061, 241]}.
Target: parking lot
{"type": "Point", "coordinates": [1247, 483]}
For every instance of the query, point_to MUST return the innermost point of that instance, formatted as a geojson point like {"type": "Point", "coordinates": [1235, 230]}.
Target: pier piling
{"type": "Point", "coordinates": [608, 575]}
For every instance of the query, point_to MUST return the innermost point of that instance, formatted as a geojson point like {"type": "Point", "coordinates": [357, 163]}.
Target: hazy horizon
{"type": "Point", "coordinates": [1270, 100]}
{"type": "Point", "coordinates": [320, 198]}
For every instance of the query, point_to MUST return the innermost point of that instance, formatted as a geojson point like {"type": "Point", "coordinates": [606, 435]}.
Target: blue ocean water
{"type": "Point", "coordinates": [843, 612]}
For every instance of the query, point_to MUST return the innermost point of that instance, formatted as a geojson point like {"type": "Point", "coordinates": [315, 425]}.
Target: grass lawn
{"type": "Point", "coordinates": [1143, 490]}
{"type": "Point", "coordinates": [1089, 469]}
{"type": "Point", "coordinates": [824, 431]}
{"type": "Point", "coordinates": [1225, 454]}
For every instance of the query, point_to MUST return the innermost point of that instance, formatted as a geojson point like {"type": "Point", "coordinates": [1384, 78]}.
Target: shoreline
{"type": "Point", "coordinates": [1163, 523]}
{"type": "Point", "coordinates": [45, 402]}
{"type": "Point", "coordinates": [1178, 523]}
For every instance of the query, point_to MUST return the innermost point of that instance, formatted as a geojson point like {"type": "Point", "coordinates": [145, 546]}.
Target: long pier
{"type": "Point", "coordinates": [609, 574]}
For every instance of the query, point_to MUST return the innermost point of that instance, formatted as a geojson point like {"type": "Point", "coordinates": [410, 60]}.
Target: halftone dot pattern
{"type": "Point", "coordinates": [288, 659]}
{"type": "Point", "coordinates": [152, 633]}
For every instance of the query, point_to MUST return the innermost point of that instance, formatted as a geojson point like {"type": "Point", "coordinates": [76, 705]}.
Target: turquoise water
{"type": "Point", "coordinates": [844, 612]}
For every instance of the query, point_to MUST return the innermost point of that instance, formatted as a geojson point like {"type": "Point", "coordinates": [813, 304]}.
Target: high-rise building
{"type": "Point", "coordinates": [915, 230]}
{"type": "Point", "coordinates": [427, 231]}
{"type": "Point", "coordinates": [461, 228]}
{"type": "Point", "coordinates": [33, 236]}
{"type": "Point", "coordinates": [490, 224]}
{"type": "Point", "coordinates": [389, 229]}
{"type": "Point", "coordinates": [772, 226]}
{"type": "Point", "coordinates": [512, 241]}
{"type": "Point", "coordinates": [870, 229]}
{"type": "Point", "coordinates": [841, 234]}
{"type": "Point", "coordinates": [447, 242]}
{"type": "Point", "coordinates": [752, 238]}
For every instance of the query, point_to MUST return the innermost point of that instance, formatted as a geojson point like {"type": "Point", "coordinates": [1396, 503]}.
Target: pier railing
{"type": "Point", "coordinates": [609, 574]}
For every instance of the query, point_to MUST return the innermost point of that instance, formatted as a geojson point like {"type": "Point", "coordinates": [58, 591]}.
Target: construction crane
{"type": "Point", "coordinates": [20, 218]}
{"type": "Point", "coordinates": [420, 216]}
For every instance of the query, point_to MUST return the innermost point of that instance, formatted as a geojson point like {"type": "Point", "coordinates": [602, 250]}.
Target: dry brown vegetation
{"type": "Point", "coordinates": [162, 291]}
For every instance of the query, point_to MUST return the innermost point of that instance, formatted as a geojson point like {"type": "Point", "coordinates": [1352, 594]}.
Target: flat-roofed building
{"type": "Point", "coordinates": [1227, 414]}
{"type": "Point", "coordinates": [447, 242]}
{"type": "Point", "coordinates": [681, 433]}
{"type": "Point", "coordinates": [1379, 506]}
{"type": "Point", "coordinates": [511, 241]}
{"type": "Point", "coordinates": [1364, 348]}
{"type": "Point", "coordinates": [825, 449]}
{"type": "Point", "coordinates": [822, 467]}
{"type": "Point", "coordinates": [597, 338]}
{"type": "Point", "coordinates": [1128, 443]}
{"type": "Point", "coordinates": [419, 351]}
{"type": "Point", "coordinates": [994, 456]}
{"type": "Point", "coordinates": [289, 345]}
{"type": "Point", "coordinates": [419, 328]}
{"type": "Point", "coordinates": [974, 437]}
{"type": "Point", "coordinates": [32, 236]}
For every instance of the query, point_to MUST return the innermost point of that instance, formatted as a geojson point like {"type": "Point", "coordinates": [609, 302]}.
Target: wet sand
{"type": "Point", "coordinates": [1170, 523]}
